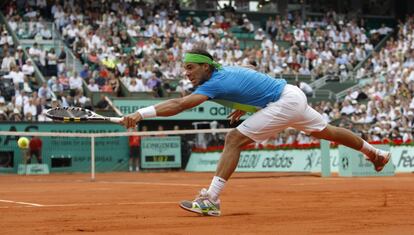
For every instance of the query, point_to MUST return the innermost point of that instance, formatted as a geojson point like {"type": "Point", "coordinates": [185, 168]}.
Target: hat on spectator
{"type": "Point", "coordinates": [410, 113]}
{"type": "Point", "coordinates": [19, 48]}
{"type": "Point", "coordinates": [341, 22]}
{"type": "Point", "coordinates": [16, 111]}
{"type": "Point", "coordinates": [2, 100]}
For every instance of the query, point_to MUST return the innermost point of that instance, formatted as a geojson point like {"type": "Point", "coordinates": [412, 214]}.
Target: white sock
{"type": "Point", "coordinates": [216, 186]}
{"type": "Point", "coordinates": [368, 149]}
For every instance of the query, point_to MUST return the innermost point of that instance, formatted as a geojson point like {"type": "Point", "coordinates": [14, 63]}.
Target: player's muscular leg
{"type": "Point", "coordinates": [340, 135]}
{"type": "Point", "coordinates": [231, 153]}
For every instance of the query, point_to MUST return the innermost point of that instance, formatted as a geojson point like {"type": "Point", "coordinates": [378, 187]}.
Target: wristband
{"type": "Point", "coordinates": [148, 112]}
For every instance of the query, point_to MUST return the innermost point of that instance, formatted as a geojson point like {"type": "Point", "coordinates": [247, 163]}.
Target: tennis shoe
{"type": "Point", "coordinates": [381, 159]}
{"type": "Point", "coordinates": [202, 205]}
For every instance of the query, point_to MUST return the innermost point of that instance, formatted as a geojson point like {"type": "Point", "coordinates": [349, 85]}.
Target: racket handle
{"type": "Point", "coordinates": [115, 119]}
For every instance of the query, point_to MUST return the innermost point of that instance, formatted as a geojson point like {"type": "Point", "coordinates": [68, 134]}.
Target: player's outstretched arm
{"type": "Point", "coordinates": [167, 108]}
{"type": "Point", "coordinates": [174, 106]}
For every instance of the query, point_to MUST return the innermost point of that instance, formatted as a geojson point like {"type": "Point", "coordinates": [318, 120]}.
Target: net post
{"type": "Point", "coordinates": [325, 159]}
{"type": "Point", "coordinates": [92, 158]}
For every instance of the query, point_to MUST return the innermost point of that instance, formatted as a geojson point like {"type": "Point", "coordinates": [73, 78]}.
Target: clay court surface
{"type": "Point", "coordinates": [253, 203]}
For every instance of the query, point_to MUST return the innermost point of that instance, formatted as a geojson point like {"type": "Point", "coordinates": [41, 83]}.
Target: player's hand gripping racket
{"type": "Point", "coordinates": [74, 114]}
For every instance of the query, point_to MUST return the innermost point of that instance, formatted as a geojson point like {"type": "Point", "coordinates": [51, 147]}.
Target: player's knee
{"type": "Point", "coordinates": [234, 139]}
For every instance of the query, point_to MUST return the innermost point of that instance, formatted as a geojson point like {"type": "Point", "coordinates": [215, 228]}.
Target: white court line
{"type": "Point", "coordinates": [150, 183]}
{"type": "Point", "coordinates": [108, 204]}
{"type": "Point", "coordinates": [22, 203]}
{"type": "Point", "coordinates": [88, 204]}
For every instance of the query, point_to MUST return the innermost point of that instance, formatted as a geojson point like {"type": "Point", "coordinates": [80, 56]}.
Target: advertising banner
{"type": "Point", "coordinates": [266, 161]}
{"type": "Point", "coordinates": [161, 152]}
{"type": "Point", "coordinates": [308, 160]}
{"type": "Point", "coordinates": [67, 154]}
{"type": "Point", "coordinates": [206, 111]}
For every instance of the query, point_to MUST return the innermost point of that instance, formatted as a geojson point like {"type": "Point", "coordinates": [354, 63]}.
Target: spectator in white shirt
{"type": "Point", "coordinates": [5, 38]}
{"type": "Point", "coordinates": [28, 68]}
{"type": "Point", "coordinates": [92, 86]}
{"type": "Point", "coordinates": [137, 85]}
{"type": "Point", "coordinates": [121, 66]}
{"type": "Point", "coordinates": [57, 87]}
{"type": "Point", "coordinates": [384, 30]}
{"type": "Point", "coordinates": [75, 81]}
{"type": "Point", "coordinates": [184, 86]}
{"type": "Point", "coordinates": [35, 52]}
{"type": "Point", "coordinates": [347, 108]}
{"type": "Point", "coordinates": [146, 74]}
{"type": "Point", "coordinates": [20, 99]}
{"type": "Point", "coordinates": [259, 34]}
{"type": "Point", "coordinates": [16, 75]}
{"type": "Point", "coordinates": [45, 92]}
{"type": "Point", "coordinates": [7, 62]}
{"type": "Point", "coordinates": [45, 33]}
{"type": "Point", "coordinates": [30, 107]}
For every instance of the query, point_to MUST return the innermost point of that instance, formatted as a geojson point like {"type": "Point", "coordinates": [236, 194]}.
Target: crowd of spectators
{"type": "Point", "coordinates": [140, 46]}
{"type": "Point", "coordinates": [149, 40]}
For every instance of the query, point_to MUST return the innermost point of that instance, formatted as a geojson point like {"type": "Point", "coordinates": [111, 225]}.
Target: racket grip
{"type": "Point", "coordinates": [115, 119]}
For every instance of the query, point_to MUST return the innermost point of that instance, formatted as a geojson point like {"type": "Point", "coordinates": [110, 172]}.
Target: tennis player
{"type": "Point", "coordinates": [277, 106]}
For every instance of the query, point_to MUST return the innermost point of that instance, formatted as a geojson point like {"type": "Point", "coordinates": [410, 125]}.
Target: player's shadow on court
{"type": "Point", "coordinates": [225, 215]}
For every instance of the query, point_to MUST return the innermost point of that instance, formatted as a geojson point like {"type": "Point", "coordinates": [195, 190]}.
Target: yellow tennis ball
{"type": "Point", "coordinates": [23, 142]}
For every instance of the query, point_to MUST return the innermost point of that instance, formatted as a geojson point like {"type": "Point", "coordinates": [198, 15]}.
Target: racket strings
{"type": "Point", "coordinates": [78, 113]}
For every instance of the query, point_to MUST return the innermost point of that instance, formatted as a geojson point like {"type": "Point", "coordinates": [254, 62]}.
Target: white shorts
{"type": "Point", "coordinates": [291, 110]}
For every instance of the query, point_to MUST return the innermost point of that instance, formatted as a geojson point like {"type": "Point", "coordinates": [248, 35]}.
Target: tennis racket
{"type": "Point", "coordinates": [75, 114]}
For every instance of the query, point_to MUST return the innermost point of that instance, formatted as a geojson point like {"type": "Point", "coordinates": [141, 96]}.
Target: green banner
{"type": "Point", "coordinates": [266, 161]}
{"type": "Point", "coordinates": [161, 152]}
{"type": "Point", "coordinates": [67, 154]}
{"type": "Point", "coordinates": [351, 163]}
{"type": "Point", "coordinates": [206, 111]}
